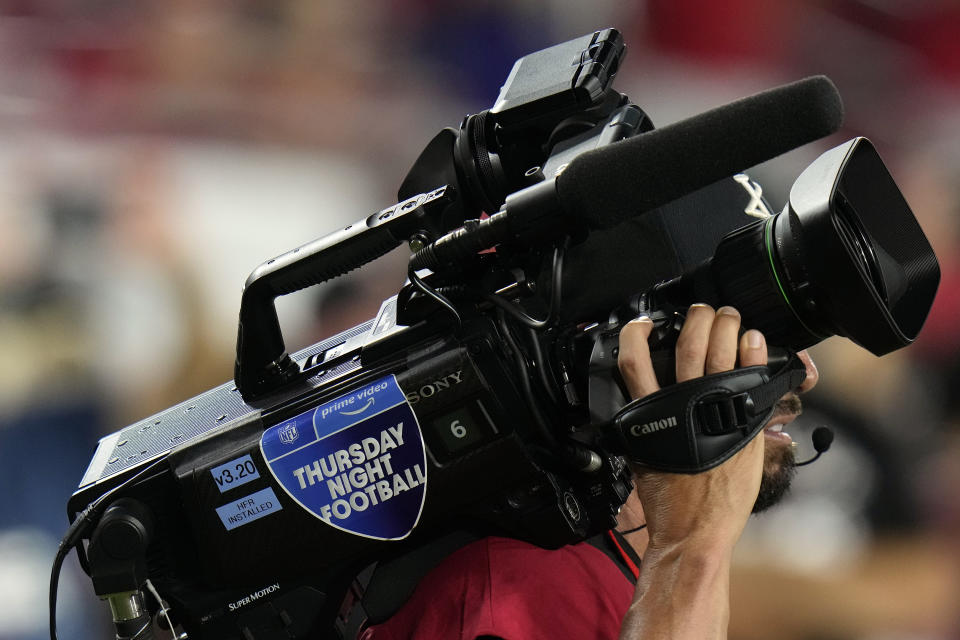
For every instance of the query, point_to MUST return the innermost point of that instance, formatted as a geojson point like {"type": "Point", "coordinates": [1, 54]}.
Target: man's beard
{"type": "Point", "coordinates": [779, 467]}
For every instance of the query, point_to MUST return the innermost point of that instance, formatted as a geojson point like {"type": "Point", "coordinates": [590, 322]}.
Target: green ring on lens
{"type": "Point", "coordinates": [768, 242]}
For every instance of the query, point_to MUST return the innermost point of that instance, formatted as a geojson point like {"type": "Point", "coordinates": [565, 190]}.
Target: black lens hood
{"type": "Point", "coordinates": [872, 273]}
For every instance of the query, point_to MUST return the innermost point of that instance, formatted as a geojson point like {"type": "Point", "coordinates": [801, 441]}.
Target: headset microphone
{"type": "Point", "coordinates": [822, 439]}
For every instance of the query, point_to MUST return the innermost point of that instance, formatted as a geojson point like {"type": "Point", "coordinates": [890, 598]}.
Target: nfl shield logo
{"type": "Point", "coordinates": [288, 433]}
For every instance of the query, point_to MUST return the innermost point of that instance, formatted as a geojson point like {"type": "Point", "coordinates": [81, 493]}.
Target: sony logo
{"type": "Point", "coordinates": [435, 387]}
{"type": "Point", "coordinates": [652, 426]}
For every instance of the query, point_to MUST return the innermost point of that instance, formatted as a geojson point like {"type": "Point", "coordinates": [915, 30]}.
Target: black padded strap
{"type": "Point", "coordinates": [698, 424]}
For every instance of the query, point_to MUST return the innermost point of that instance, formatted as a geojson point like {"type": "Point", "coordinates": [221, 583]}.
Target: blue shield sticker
{"type": "Point", "coordinates": [356, 462]}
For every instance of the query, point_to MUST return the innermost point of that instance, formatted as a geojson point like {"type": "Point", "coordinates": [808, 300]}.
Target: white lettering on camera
{"type": "Point", "coordinates": [653, 425]}
{"type": "Point", "coordinates": [253, 597]}
{"type": "Point", "coordinates": [435, 387]}
{"type": "Point", "coordinates": [360, 475]}
{"type": "Point", "coordinates": [756, 208]}
{"type": "Point", "coordinates": [346, 405]}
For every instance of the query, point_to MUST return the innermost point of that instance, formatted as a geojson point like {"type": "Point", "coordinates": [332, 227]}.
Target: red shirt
{"type": "Point", "coordinates": [516, 591]}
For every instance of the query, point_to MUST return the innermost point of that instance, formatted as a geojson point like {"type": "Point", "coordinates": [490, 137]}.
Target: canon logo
{"type": "Point", "coordinates": [435, 387]}
{"type": "Point", "coordinates": [653, 425]}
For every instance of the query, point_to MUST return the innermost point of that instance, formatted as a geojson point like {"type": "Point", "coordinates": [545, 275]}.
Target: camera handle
{"type": "Point", "coordinates": [685, 427]}
{"type": "Point", "coordinates": [262, 364]}
{"type": "Point", "coordinates": [695, 425]}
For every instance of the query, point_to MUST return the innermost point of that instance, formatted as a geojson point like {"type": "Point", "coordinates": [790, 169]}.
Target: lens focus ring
{"type": "Point", "coordinates": [744, 270]}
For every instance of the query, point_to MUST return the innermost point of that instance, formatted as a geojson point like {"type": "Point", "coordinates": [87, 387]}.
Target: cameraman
{"type": "Point", "coordinates": [684, 527]}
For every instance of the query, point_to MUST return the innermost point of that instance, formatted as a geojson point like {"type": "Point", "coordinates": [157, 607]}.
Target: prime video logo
{"type": "Point", "coordinates": [355, 403]}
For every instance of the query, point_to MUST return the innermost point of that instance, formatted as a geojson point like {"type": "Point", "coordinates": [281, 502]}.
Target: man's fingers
{"type": "Point", "coordinates": [753, 349]}
{"type": "Point", "coordinates": [693, 341]}
{"type": "Point", "coordinates": [813, 376]}
{"type": "Point", "coordinates": [633, 358]}
{"type": "Point", "coordinates": [707, 344]}
{"type": "Point", "coordinates": [722, 351]}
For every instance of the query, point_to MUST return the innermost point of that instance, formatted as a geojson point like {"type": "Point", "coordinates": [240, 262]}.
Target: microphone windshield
{"type": "Point", "coordinates": [822, 439]}
{"type": "Point", "coordinates": [607, 185]}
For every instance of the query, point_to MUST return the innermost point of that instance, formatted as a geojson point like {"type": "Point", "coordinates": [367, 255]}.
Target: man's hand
{"type": "Point", "coordinates": [693, 521]}
{"type": "Point", "coordinates": [715, 503]}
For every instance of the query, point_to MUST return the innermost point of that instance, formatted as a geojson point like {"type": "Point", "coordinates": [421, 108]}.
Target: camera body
{"type": "Point", "coordinates": [239, 544]}
{"type": "Point", "coordinates": [455, 452]}
{"type": "Point", "coordinates": [453, 414]}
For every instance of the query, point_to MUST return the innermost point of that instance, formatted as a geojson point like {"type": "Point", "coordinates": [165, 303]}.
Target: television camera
{"type": "Point", "coordinates": [483, 398]}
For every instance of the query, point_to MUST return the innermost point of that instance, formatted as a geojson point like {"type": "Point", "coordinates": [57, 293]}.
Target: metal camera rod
{"type": "Point", "coordinates": [263, 364]}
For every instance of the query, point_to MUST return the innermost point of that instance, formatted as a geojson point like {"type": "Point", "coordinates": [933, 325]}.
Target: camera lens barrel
{"type": "Point", "coordinates": [759, 270]}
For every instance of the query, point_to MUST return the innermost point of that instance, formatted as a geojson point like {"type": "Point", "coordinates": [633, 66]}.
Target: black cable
{"type": "Point", "coordinates": [76, 531]}
{"type": "Point", "coordinates": [556, 284]}
{"type": "Point", "coordinates": [525, 380]}
{"type": "Point", "coordinates": [571, 453]}
{"type": "Point", "coordinates": [541, 365]}
{"type": "Point", "coordinates": [433, 293]}
{"type": "Point", "coordinates": [634, 530]}
{"type": "Point", "coordinates": [517, 312]}
{"type": "Point", "coordinates": [62, 552]}
{"type": "Point", "coordinates": [555, 299]}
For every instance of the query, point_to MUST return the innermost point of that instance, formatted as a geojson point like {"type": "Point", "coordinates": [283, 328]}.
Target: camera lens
{"type": "Point", "coordinates": [761, 270]}
{"type": "Point", "coordinates": [845, 257]}
{"type": "Point", "coordinates": [853, 234]}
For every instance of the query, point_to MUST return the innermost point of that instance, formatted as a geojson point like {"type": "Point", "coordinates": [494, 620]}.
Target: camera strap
{"type": "Point", "coordinates": [696, 425]}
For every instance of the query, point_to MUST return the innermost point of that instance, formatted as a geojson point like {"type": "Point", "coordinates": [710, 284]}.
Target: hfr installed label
{"type": "Point", "coordinates": [252, 507]}
{"type": "Point", "coordinates": [356, 462]}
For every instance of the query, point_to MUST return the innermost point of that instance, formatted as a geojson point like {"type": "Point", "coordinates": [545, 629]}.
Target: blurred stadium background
{"type": "Point", "coordinates": [152, 153]}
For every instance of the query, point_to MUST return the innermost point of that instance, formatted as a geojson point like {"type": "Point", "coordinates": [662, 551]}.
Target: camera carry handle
{"type": "Point", "coordinates": [262, 364]}
{"type": "Point", "coordinates": [698, 424]}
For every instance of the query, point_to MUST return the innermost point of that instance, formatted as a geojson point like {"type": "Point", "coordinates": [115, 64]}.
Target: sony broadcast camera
{"type": "Point", "coordinates": [483, 398]}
